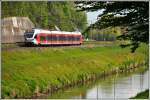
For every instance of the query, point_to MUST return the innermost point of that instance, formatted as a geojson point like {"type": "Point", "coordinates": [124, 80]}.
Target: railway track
{"type": "Point", "coordinates": [15, 46]}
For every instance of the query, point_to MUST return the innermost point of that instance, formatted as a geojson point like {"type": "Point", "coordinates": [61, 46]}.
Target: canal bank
{"type": "Point", "coordinates": [35, 72]}
{"type": "Point", "coordinates": [116, 86]}
{"type": "Point", "coordinates": [142, 95]}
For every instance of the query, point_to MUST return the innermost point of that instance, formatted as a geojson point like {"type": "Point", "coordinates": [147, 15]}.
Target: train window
{"type": "Point", "coordinates": [61, 38]}
{"type": "Point", "coordinates": [65, 38]}
{"type": "Point", "coordinates": [69, 38]}
{"type": "Point", "coordinates": [29, 34]}
{"type": "Point", "coordinates": [78, 38]}
{"type": "Point", "coordinates": [49, 38]}
{"type": "Point", "coordinates": [57, 37]}
{"type": "Point", "coordinates": [54, 37]}
{"type": "Point", "coordinates": [73, 38]}
{"type": "Point", "coordinates": [42, 38]}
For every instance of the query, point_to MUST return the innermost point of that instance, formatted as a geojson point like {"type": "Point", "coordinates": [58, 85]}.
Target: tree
{"type": "Point", "coordinates": [132, 15]}
{"type": "Point", "coordinates": [47, 14]}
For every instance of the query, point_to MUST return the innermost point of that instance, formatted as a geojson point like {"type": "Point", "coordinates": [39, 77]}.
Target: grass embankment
{"type": "Point", "coordinates": [142, 95]}
{"type": "Point", "coordinates": [31, 71]}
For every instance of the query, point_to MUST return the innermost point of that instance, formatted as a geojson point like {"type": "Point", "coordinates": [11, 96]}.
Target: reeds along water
{"type": "Point", "coordinates": [131, 82]}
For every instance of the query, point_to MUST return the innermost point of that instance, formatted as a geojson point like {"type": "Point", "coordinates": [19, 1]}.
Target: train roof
{"type": "Point", "coordinates": [58, 32]}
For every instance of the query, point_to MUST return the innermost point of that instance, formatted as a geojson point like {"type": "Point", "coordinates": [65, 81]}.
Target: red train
{"type": "Point", "coordinates": [47, 37]}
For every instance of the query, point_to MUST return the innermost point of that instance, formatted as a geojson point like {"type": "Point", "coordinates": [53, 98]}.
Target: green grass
{"type": "Point", "coordinates": [27, 71]}
{"type": "Point", "coordinates": [142, 95]}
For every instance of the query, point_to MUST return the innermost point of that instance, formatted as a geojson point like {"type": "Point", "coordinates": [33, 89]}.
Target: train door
{"type": "Point", "coordinates": [42, 38]}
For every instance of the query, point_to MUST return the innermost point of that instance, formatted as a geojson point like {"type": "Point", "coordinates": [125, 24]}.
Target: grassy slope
{"type": "Point", "coordinates": [27, 71]}
{"type": "Point", "coordinates": [142, 95]}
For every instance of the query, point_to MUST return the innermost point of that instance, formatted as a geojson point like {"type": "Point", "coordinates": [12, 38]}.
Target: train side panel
{"type": "Point", "coordinates": [59, 39]}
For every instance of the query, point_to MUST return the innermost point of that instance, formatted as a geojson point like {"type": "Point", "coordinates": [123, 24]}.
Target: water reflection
{"type": "Point", "coordinates": [117, 86]}
{"type": "Point", "coordinates": [120, 88]}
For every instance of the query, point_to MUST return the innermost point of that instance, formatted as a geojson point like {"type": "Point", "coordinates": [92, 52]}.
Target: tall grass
{"type": "Point", "coordinates": [30, 71]}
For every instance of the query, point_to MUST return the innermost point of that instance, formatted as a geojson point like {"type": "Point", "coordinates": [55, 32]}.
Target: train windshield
{"type": "Point", "coordinates": [29, 34]}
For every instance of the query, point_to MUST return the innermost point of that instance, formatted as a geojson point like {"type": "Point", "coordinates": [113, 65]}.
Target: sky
{"type": "Point", "coordinates": [92, 16]}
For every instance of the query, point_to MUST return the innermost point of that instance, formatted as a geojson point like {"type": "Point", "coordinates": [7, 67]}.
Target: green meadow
{"type": "Point", "coordinates": [26, 72]}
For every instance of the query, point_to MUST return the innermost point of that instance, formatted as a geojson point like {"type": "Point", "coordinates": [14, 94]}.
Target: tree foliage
{"type": "Point", "coordinates": [132, 15]}
{"type": "Point", "coordinates": [107, 34]}
{"type": "Point", "coordinates": [47, 14]}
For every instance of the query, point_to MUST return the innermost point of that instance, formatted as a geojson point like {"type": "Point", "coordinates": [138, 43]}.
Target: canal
{"type": "Point", "coordinates": [123, 85]}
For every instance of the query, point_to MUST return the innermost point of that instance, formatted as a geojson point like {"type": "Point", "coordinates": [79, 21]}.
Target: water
{"type": "Point", "coordinates": [116, 86]}
{"type": "Point", "coordinates": [123, 88]}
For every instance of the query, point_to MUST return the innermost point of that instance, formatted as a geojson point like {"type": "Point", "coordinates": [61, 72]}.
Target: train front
{"type": "Point", "coordinates": [29, 37]}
